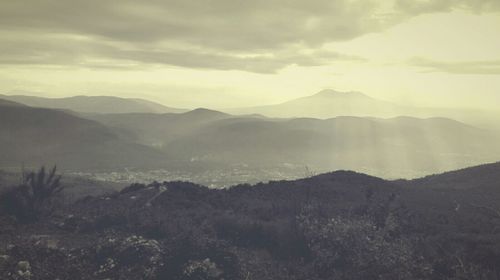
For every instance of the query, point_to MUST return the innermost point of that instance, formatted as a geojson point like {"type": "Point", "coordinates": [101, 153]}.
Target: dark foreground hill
{"type": "Point", "coordinates": [483, 177]}
{"type": "Point", "coordinates": [340, 225]}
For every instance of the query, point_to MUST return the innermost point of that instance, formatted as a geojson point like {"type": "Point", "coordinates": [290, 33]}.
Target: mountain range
{"type": "Point", "coordinates": [402, 146]}
{"type": "Point", "coordinates": [329, 103]}
{"type": "Point", "coordinates": [82, 136]}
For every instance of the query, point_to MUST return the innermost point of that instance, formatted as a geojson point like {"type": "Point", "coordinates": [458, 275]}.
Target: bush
{"type": "Point", "coordinates": [34, 197]}
{"type": "Point", "coordinates": [356, 248]}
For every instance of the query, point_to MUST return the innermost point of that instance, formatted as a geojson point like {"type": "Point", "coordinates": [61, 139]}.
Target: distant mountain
{"type": "Point", "coordinates": [158, 129]}
{"type": "Point", "coordinates": [35, 136]}
{"type": "Point", "coordinates": [4, 102]}
{"type": "Point", "coordinates": [330, 103]}
{"type": "Point", "coordinates": [93, 104]}
{"type": "Point", "coordinates": [396, 147]}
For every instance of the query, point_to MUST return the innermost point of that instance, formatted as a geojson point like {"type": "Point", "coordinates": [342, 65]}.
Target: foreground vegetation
{"type": "Point", "coordinates": [341, 225]}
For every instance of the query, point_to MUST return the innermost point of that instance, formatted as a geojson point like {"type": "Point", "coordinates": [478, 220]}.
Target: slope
{"type": "Point", "coordinates": [93, 104]}
{"type": "Point", "coordinates": [397, 147]}
{"type": "Point", "coordinates": [35, 136]}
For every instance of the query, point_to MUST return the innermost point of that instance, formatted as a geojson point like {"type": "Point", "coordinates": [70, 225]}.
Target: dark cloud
{"type": "Point", "coordinates": [221, 24]}
{"type": "Point", "coordinates": [258, 35]}
{"type": "Point", "coordinates": [255, 63]}
{"type": "Point", "coordinates": [415, 7]}
{"type": "Point", "coordinates": [60, 50]}
{"type": "Point", "coordinates": [480, 67]}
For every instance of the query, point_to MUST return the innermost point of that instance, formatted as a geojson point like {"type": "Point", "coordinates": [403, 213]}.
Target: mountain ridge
{"type": "Point", "coordinates": [93, 104]}
{"type": "Point", "coordinates": [330, 103]}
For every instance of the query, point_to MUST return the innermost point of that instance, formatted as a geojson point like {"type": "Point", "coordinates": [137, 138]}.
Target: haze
{"type": "Point", "coordinates": [224, 54]}
{"type": "Point", "coordinates": [250, 139]}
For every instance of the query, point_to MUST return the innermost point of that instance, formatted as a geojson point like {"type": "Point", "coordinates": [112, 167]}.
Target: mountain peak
{"type": "Point", "coordinates": [340, 94]}
{"type": "Point", "coordinates": [205, 112]}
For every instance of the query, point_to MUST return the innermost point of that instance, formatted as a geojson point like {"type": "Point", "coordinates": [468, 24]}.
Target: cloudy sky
{"type": "Point", "coordinates": [232, 53]}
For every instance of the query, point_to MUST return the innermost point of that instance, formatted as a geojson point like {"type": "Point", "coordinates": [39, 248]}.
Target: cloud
{"type": "Point", "coordinates": [416, 7]}
{"type": "Point", "coordinates": [258, 36]}
{"type": "Point", "coordinates": [221, 24]}
{"type": "Point", "coordinates": [479, 67]}
{"type": "Point", "coordinates": [76, 51]}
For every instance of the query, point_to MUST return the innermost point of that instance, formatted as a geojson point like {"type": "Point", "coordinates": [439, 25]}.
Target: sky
{"type": "Point", "coordinates": [237, 53]}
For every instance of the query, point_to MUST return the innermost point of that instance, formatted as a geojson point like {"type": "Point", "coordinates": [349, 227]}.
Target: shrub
{"type": "Point", "coordinates": [356, 248]}
{"type": "Point", "coordinates": [280, 237]}
{"type": "Point", "coordinates": [34, 197]}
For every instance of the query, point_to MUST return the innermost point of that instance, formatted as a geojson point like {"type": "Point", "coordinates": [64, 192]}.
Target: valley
{"type": "Point", "coordinates": [220, 149]}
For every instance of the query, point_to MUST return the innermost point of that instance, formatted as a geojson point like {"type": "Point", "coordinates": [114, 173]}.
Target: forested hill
{"type": "Point", "coordinates": [339, 225]}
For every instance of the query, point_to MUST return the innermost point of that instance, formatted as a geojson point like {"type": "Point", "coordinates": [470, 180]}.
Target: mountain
{"type": "Point", "coordinates": [93, 104]}
{"type": "Point", "coordinates": [399, 147]}
{"type": "Point", "coordinates": [158, 129]}
{"type": "Point", "coordinates": [35, 136]}
{"type": "Point", "coordinates": [395, 147]}
{"type": "Point", "coordinates": [330, 103]}
{"type": "Point", "coordinates": [4, 102]}
{"type": "Point", "coordinates": [482, 177]}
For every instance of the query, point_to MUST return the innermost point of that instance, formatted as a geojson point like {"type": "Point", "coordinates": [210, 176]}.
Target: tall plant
{"type": "Point", "coordinates": [35, 195]}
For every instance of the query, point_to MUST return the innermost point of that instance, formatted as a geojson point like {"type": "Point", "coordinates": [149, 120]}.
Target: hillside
{"type": "Point", "coordinates": [93, 104]}
{"type": "Point", "coordinates": [397, 147]}
{"type": "Point", "coordinates": [392, 148]}
{"type": "Point", "coordinates": [484, 177]}
{"type": "Point", "coordinates": [158, 129]}
{"type": "Point", "coordinates": [35, 136]}
{"type": "Point", "coordinates": [4, 102]}
{"type": "Point", "coordinates": [341, 225]}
